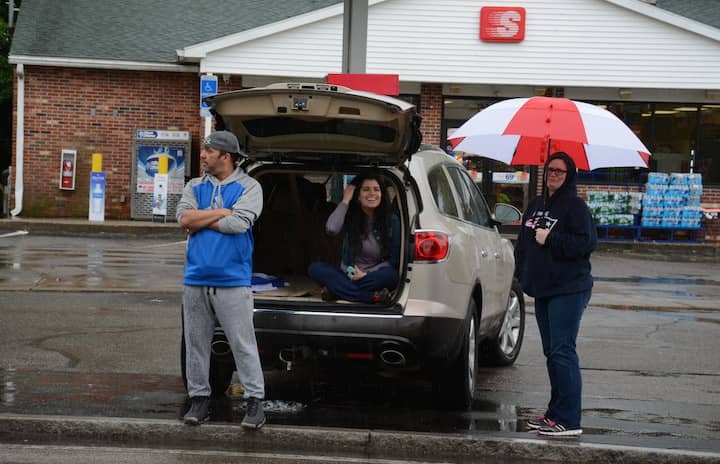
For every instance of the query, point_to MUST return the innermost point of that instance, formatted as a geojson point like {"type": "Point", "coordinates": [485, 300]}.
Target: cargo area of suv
{"type": "Point", "coordinates": [290, 233]}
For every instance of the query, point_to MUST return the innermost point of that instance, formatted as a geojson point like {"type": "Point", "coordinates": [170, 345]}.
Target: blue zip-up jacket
{"type": "Point", "coordinates": [222, 259]}
{"type": "Point", "coordinates": [562, 265]}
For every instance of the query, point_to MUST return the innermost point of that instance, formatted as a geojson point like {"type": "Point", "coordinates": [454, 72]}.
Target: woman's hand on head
{"type": "Point", "coordinates": [348, 193]}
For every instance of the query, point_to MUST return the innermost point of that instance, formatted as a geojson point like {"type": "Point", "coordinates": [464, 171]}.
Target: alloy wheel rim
{"type": "Point", "coordinates": [510, 330]}
{"type": "Point", "coordinates": [471, 355]}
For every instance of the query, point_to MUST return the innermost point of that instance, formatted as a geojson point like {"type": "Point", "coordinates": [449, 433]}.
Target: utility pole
{"type": "Point", "coordinates": [355, 22]}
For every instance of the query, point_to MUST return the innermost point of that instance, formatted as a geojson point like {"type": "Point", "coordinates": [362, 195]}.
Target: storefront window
{"type": "Point", "coordinates": [707, 154]}
{"type": "Point", "coordinates": [499, 182]}
{"type": "Point", "coordinates": [638, 117]}
{"type": "Point", "coordinates": [672, 132]}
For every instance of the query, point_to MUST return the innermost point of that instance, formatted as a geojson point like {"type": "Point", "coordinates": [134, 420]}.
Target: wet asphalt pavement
{"type": "Point", "coordinates": [91, 327]}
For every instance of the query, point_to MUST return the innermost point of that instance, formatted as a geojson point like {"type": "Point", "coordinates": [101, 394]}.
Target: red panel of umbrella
{"type": "Point", "coordinates": [527, 130]}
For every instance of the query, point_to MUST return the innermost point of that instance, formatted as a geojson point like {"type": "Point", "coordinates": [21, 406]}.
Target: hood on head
{"type": "Point", "coordinates": [570, 178]}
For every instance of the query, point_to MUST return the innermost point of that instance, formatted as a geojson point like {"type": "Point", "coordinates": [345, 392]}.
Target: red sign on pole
{"type": "Point", "coordinates": [502, 24]}
{"type": "Point", "coordinates": [382, 84]}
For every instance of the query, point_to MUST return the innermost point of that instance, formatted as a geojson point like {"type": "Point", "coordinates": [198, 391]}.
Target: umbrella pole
{"type": "Point", "coordinates": [547, 155]}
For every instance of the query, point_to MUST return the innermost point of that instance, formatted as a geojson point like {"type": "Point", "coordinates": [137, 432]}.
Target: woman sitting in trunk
{"type": "Point", "coordinates": [370, 254]}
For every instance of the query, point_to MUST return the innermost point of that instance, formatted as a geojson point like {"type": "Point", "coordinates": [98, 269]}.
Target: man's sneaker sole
{"type": "Point", "coordinates": [250, 425]}
{"type": "Point", "coordinates": [194, 420]}
{"type": "Point", "coordinates": [555, 432]}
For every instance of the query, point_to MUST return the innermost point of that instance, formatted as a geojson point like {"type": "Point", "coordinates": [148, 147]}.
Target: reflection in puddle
{"type": "Point", "coordinates": [7, 386]}
{"type": "Point", "coordinates": [658, 280]}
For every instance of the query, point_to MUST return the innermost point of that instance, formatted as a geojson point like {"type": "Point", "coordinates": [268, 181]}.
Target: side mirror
{"type": "Point", "coordinates": [507, 214]}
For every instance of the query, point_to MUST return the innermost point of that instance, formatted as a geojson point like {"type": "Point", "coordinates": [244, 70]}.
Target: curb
{"type": "Point", "coordinates": [341, 442]}
{"type": "Point", "coordinates": [71, 227]}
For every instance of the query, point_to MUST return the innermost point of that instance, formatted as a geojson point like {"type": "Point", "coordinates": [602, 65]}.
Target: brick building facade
{"type": "Point", "coordinates": [90, 84]}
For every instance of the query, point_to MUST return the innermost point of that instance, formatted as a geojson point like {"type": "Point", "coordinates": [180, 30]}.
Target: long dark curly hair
{"type": "Point", "coordinates": [357, 222]}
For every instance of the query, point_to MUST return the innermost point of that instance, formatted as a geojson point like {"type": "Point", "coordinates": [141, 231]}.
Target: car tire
{"type": "Point", "coordinates": [455, 386]}
{"type": "Point", "coordinates": [221, 367]}
{"type": "Point", "coordinates": [504, 348]}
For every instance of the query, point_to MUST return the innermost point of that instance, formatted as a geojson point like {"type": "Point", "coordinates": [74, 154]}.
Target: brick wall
{"type": "Point", "coordinates": [97, 111]}
{"type": "Point", "coordinates": [431, 107]}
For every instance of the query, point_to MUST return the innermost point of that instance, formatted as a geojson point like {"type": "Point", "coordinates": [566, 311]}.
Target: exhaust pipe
{"type": "Point", "coordinates": [392, 355]}
{"type": "Point", "coordinates": [287, 356]}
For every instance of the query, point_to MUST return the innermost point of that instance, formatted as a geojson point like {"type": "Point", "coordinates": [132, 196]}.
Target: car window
{"type": "Point", "coordinates": [474, 208]}
{"type": "Point", "coordinates": [442, 192]}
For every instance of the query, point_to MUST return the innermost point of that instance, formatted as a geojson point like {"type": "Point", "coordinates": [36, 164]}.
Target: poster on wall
{"type": "Point", "coordinates": [159, 203]}
{"type": "Point", "coordinates": [147, 168]}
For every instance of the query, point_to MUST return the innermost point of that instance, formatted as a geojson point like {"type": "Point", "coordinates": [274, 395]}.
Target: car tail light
{"type": "Point", "coordinates": [431, 245]}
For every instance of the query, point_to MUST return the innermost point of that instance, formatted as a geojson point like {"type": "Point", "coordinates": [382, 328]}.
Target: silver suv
{"type": "Point", "coordinates": [457, 303]}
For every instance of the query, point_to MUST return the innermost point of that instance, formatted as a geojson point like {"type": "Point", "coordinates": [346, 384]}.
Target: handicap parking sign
{"type": "Point", "coordinates": [208, 87]}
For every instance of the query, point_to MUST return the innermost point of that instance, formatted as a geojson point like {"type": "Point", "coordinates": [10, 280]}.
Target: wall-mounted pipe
{"type": "Point", "coordinates": [19, 139]}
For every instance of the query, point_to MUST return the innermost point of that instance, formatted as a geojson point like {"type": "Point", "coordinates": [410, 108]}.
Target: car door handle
{"type": "Point", "coordinates": [483, 253]}
{"type": "Point", "coordinates": [497, 255]}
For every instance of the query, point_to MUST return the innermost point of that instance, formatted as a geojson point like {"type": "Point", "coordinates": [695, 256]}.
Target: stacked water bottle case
{"type": "Point", "coordinates": [672, 201]}
{"type": "Point", "coordinates": [614, 208]}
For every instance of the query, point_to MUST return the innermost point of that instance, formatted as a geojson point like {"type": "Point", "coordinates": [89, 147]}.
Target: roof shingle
{"type": "Point", "coordinates": [141, 30]}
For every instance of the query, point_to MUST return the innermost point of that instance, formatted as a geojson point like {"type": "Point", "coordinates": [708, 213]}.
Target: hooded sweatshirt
{"type": "Point", "coordinates": [562, 265]}
{"type": "Point", "coordinates": [224, 258]}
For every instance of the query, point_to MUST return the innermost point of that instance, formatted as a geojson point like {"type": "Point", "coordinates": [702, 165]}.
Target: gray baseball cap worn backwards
{"type": "Point", "coordinates": [223, 141]}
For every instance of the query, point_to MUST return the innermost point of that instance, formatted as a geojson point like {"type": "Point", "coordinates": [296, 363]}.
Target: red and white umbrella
{"type": "Point", "coordinates": [528, 130]}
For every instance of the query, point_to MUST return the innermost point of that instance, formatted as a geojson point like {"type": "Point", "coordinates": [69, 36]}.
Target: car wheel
{"type": "Point", "coordinates": [456, 385]}
{"type": "Point", "coordinates": [504, 348]}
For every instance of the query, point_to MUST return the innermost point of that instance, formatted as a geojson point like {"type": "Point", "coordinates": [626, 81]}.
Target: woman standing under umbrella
{"type": "Point", "coordinates": [552, 262]}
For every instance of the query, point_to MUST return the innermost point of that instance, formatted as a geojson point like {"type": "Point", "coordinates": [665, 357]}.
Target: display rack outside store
{"type": "Point", "coordinates": [668, 210]}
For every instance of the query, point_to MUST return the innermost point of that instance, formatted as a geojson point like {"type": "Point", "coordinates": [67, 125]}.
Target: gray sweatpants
{"type": "Point", "coordinates": [233, 307]}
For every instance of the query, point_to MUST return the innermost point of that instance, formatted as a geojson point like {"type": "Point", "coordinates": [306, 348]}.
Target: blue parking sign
{"type": "Point", "coordinates": [208, 87]}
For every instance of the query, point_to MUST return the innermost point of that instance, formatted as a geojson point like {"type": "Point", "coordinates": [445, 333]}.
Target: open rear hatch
{"type": "Point", "coordinates": [319, 122]}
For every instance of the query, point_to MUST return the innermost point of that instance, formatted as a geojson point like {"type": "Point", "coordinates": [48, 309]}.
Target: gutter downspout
{"type": "Point", "coordinates": [19, 139]}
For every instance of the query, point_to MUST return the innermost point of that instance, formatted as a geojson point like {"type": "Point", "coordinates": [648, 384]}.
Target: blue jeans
{"type": "Point", "coordinates": [558, 318]}
{"type": "Point", "coordinates": [337, 282]}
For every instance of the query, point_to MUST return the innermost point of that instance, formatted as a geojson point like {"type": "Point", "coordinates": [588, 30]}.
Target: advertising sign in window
{"type": "Point", "coordinates": [147, 166]}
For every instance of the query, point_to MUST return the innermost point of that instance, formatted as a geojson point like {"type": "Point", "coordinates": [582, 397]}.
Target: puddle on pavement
{"type": "Point", "coordinates": [28, 391]}
{"type": "Point", "coordinates": [380, 406]}
{"type": "Point", "coordinates": [658, 280]}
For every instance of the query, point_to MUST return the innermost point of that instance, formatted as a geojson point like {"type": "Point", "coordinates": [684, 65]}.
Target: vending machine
{"type": "Point", "coordinates": [149, 145]}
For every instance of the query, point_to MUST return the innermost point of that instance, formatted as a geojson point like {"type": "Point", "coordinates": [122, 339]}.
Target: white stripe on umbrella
{"type": "Point", "coordinates": [501, 146]}
{"type": "Point", "coordinates": [600, 156]}
{"type": "Point", "coordinates": [490, 123]}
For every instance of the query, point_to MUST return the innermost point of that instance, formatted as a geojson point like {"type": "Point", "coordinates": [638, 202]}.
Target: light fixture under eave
{"type": "Point", "coordinates": [625, 93]}
{"type": "Point", "coordinates": [646, 115]}
{"type": "Point", "coordinates": [666, 112]}
{"type": "Point", "coordinates": [712, 94]}
{"type": "Point", "coordinates": [686, 108]}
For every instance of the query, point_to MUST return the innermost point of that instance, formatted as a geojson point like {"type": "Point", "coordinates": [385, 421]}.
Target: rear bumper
{"type": "Point", "coordinates": [375, 338]}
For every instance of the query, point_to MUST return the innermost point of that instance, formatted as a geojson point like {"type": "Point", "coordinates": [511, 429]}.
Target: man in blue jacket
{"type": "Point", "coordinates": [217, 211]}
{"type": "Point", "coordinates": [552, 262]}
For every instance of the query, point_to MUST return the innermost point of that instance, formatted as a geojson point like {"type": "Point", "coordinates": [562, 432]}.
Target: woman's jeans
{"type": "Point", "coordinates": [558, 318]}
{"type": "Point", "coordinates": [362, 290]}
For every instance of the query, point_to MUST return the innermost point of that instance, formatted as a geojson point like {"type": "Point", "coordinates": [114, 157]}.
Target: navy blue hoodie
{"type": "Point", "coordinates": [562, 264]}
